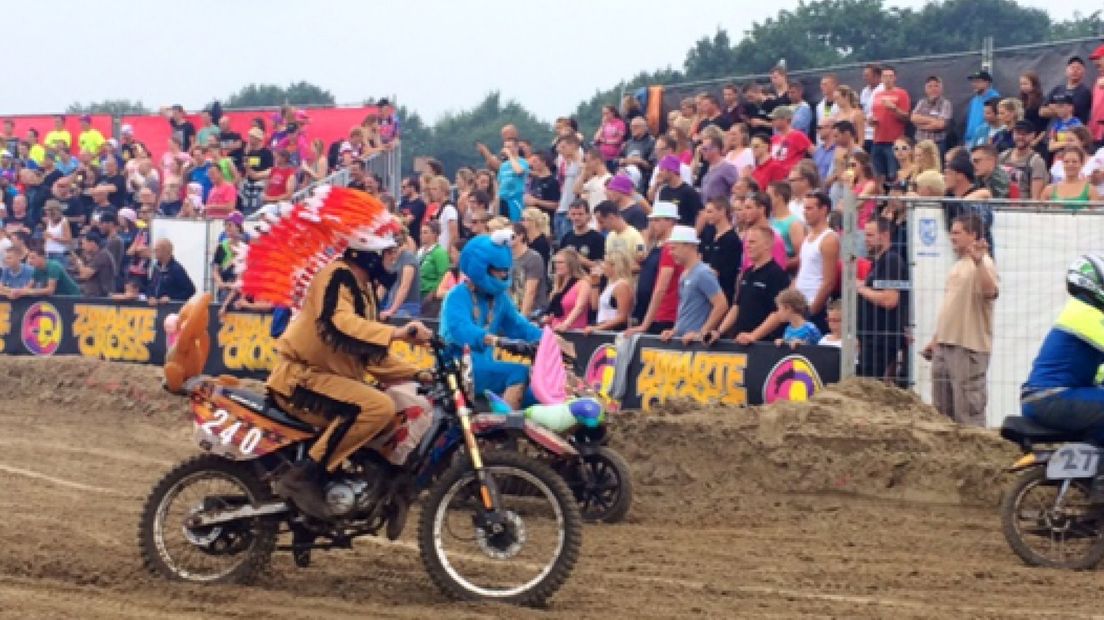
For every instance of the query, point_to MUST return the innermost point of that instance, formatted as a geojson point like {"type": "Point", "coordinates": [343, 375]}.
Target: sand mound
{"type": "Point", "coordinates": [860, 437]}
{"type": "Point", "coordinates": [82, 384]}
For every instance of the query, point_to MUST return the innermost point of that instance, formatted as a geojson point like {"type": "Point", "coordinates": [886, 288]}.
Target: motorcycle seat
{"type": "Point", "coordinates": [259, 403]}
{"type": "Point", "coordinates": [1019, 429]}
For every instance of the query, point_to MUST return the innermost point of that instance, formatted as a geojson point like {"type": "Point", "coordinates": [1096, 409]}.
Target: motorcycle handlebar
{"type": "Point", "coordinates": [518, 347]}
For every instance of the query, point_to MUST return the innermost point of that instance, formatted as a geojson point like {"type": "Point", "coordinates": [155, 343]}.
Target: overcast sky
{"type": "Point", "coordinates": [435, 55]}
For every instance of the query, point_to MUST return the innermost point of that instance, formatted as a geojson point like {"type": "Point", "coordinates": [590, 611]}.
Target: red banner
{"type": "Point", "coordinates": [45, 124]}
{"type": "Point", "coordinates": [329, 124]}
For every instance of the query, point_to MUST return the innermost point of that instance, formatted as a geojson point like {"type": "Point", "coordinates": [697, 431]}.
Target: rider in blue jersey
{"type": "Point", "coordinates": [1062, 391]}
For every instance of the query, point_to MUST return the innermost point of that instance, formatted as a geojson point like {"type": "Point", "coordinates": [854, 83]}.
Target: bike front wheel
{"type": "Point", "coordinates": [524, 559]}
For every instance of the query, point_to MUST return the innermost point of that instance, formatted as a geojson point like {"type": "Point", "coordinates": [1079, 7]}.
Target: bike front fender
{"type": "Point", "coordinates": [490, 423]}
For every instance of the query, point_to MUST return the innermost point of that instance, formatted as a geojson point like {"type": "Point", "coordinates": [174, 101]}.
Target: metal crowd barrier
{"type": "Point", "coordinates": [385, 164]}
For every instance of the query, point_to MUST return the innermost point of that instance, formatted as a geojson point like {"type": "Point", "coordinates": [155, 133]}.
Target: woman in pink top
{"type": "Point", "coordinates": [684, 150]}
{"type": "Point", "coordinates": [864, 186]}
{"type": "Point", "coordinates": [223, 196]}
{"type": "Point", "coordinates": [175, 155]}
{"type": "Point", "coordinates": [611, 135]}
{"type": "Point", "coordinates": [570, 302]}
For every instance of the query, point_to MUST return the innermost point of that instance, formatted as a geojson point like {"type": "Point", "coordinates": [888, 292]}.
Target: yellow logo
{"type": "Point", "coordinates": [114, 333]}
{"type": "Point", "coordinates": [5, 323]}
{"type": "Point", "coordinates": [702, 376]}
{"type": "Point", "coordinates": [246, 342]}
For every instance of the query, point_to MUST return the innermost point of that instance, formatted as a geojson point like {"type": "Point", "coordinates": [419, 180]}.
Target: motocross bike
{"type": "Point", "coordinates": [1046, 516]}
{"type": "Point", "coordinates": [597, 474]}
{"type": "Point", "coordinates": [214, 518]}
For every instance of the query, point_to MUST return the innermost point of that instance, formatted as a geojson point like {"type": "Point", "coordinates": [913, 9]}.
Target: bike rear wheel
{"type": "Point", "coordinates": [525, 562]}
{"type": "Point", "coordinates": [604, 489]}
{"type": "Point", "coordinates": [232, 552]}
{"type": "Point", "coordinates": [1070, 536]}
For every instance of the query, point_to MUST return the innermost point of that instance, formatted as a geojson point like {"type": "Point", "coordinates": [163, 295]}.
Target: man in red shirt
{"type": "Point", "coordinates": [663, 305]}
{"type": "Point", "coordinates": [281, 179]}
{"type": "Point", "coordinates": [1096, 117]}
{"type": "Point", "coordinates": [788, 146]}
{"type": "Point", "coordinates": [889, 115]}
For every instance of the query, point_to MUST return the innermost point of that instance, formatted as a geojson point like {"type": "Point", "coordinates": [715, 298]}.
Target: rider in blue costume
{"type": "Point", "coordinates": [1062, 390]}
{"type": "Point", "coordinates": [479, 312]}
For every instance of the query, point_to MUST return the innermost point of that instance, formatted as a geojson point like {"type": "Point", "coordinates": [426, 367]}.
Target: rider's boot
{"type": "Point", "coordinates": [302, 484]}
{"type": "Point", "coordinates": [302, 541]}
{"type": "Point", "coordinates": [402, 497]}
{"type": "Point", "coordinates": [396, 516]}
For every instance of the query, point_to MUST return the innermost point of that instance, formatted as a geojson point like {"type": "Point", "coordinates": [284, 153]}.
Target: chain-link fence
{"type": "Point", "coordinates": [920, 311]}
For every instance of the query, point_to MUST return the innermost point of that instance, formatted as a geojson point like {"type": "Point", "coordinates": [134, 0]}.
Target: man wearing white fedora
{"type": "Point", "coordinates": [702, 303]}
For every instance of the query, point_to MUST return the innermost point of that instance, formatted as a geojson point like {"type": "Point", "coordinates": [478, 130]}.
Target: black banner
{"type": "Point", "coordinates": [726, 373]}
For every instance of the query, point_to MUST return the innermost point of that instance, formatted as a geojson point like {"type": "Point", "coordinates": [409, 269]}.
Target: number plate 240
{"type": "Point", "coordinates": [226, 435]}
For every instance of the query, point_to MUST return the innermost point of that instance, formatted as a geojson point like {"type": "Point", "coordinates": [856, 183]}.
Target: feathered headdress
{"type": "Point", "coordinates": [299, 240]}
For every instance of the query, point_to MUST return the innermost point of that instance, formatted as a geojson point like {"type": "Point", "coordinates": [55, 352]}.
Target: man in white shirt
{"type": "Point", "coordinates": [826, 109]}
{"type": "Point", "coordinates": [872, 75]}
{"type": "Point", "coordinates": [570, 166]}
{"type": "Point", "coordinates": [817, 276]}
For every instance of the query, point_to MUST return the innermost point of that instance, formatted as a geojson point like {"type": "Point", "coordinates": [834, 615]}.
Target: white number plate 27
{"type": "Point", "coordinates": [1074, 460]}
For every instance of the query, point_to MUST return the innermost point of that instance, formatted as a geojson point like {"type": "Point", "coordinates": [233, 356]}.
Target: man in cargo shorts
{"type": "Point", "coordinates": [959, 350]}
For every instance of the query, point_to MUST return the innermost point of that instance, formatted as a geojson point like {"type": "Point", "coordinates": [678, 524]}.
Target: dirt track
{"type": "Point", "coordinates": [861, 504]}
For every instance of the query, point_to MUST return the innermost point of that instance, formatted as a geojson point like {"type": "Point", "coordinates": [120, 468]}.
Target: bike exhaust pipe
{"type": "Point", "coordinates": [208, 518]}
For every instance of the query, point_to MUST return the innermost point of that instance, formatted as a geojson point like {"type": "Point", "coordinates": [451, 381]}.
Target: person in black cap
{"type": "Point", "coordinates": [1076, 88]}
{"type": "Point", "coordinates": [982, 81]}
{"type": "Point", "coordinates": [107, 224]}
{"type": "Point", "coordinates": [1058, 132]}
{"type": "Point", "coordinates": [96, 270]}
{"type": "Point", "coordinates": [1026, 167]}
{"type": "Point", "coordinates": [958, 173]}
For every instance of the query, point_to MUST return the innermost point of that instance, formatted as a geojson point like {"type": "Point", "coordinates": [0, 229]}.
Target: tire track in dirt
{"type": "Point", "coordinates": [860, 504]}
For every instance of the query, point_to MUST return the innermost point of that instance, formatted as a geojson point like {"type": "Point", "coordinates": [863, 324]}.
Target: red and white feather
{"type": "Point", "coordinates": [297, 241]}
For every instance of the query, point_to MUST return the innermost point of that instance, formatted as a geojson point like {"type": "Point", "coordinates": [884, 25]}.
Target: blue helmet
{"type": "Point", "coordinates": [484, 253]}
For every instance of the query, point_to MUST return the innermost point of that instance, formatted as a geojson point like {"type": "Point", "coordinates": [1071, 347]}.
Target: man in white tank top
{"type": "Point", "coordinates": [818, 274]}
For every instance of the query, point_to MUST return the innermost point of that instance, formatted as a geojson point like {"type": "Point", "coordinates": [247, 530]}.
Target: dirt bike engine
{"type": "Point", "coordinates": [347, 495]}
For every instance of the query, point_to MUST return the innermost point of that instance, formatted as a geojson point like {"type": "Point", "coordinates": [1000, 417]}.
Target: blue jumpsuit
{"type": "Point", "coordinates": [467, 317]}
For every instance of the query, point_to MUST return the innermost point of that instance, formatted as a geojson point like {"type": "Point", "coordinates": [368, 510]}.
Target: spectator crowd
{"type": "Point", "coordinates": [76, 211]}
{"type": "Point", "coordinates": [725, 225]}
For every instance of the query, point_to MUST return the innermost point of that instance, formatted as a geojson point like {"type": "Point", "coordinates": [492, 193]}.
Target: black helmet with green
{"type": "Point", "coordinates": [1085, 280]}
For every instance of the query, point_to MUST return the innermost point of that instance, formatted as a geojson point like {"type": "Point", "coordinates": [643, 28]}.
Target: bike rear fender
{"type": "Point", "coordinates": [490, 423]}
{"type": "Point", "coordinates": [1031, 459]}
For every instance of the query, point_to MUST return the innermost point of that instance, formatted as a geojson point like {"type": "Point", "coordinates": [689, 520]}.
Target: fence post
{"type": "Point", "coordinates": [849, 251]}
{"type": "Point", "coordinates": [395, 165]}
{"type": "Point", "coordinates": [914, 348]}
